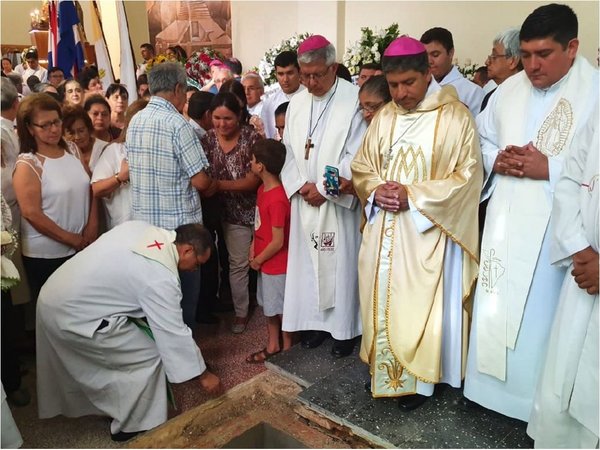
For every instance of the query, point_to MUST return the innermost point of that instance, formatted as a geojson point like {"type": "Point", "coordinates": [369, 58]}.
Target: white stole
{"type": "Point", "coordinates": [519, 212]}
{"type": "Point", "coordinates": [320, 224]}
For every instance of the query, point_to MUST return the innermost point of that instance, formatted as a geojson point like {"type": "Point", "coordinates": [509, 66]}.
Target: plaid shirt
{"type": "Point", "coordinates": [164, 153]}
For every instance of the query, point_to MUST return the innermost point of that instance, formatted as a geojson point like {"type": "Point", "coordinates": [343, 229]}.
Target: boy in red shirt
{"type": "Point", "coordinates": [269, 248]}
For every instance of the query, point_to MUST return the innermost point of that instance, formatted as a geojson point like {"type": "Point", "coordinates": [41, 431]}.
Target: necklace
{"type": "Point", "coordinates": [388, 156]}
{"type": "Point", "coordinates": [312, 129]}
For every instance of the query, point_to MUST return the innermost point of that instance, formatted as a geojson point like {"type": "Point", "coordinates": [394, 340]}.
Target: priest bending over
{"type": "Point", "coordinates": [110, 331]}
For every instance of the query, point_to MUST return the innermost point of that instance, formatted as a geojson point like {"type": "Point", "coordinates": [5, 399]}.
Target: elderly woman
{"type": "Point", "coordinates": [99, 111]}
{"type": "Point", "coordinates": [227, 147]}
{"type": "Point", "coordinates": [59, 214]}
{"type": "Point", "coordinates": [110, 180]}
{"type": "Point", "coordinates": [118, 99]}
{"type": "Point", "coordinates": [373, 94]}
{"type": "Point", "coordinates": [72, 93]}
{"type": "Point", "coordinates": [78, 128]}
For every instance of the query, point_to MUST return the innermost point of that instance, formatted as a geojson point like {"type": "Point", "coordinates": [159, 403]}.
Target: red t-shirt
{"type": "Point", "coordinates": [272, 210]}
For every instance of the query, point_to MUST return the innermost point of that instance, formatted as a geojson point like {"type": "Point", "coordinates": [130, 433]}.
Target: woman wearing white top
{"type": "Point", "coordinates": [59, 215]}
{"type": "Point", "coordinates": [110, 180]}
{"type": "Point", "coordinates": [78, 128]}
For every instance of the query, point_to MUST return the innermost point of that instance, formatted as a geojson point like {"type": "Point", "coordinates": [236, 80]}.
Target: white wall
{"type": "Point", "coordinates": [259, 25]}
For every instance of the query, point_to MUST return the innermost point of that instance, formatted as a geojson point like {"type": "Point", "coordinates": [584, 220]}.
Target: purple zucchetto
{"type": "Point", "coordinates": [404, 46]}
{"type": "Point", "coordinates": [314, 42]}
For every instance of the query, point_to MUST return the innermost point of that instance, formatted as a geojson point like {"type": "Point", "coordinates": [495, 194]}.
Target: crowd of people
{"type": "Point", "coordinates": [454, 226]}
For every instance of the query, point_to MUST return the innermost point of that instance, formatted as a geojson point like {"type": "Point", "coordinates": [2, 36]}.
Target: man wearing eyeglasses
{"type": "Point", "coordinates": [504, 61]}
{"type": "Point", "coordinates": [526, 133]}
{"type": "Point", "coordinates": [323, 128]}
{"type": "Point", "coordinates": [110, 331]}
{"type": "Point", "coordinates": [440, 48]}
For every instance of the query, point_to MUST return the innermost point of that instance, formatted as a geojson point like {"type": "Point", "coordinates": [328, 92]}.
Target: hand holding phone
{"type": "Point", "coordinates": [332, 181]}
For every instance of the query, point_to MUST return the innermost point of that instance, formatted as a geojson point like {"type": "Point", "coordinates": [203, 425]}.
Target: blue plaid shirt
{"type": "Point", "coordinates": [164, 153]}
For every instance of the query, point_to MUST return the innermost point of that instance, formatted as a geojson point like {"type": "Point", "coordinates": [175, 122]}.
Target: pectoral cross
{"type": "Point", "coordinates": [307, 148]}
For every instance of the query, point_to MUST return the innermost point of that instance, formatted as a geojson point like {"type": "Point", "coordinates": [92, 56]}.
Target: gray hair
{"type": "Point", "coordinates": [16, 79]}
{"type": "Point", "coordinates": [254, 75]}
{"type": "Point", "coordinates": [8, 94]}
{"type": "Point", "coordinates": [41, 87]}
{"type": "Point", "coordinates": [164, 77]}
{"type": "Point", "coordinates": [326, 53]}
{"type": "Point", "coordinates": [509, 38]}
{"type": "Point", "coordinates": [196, 235]}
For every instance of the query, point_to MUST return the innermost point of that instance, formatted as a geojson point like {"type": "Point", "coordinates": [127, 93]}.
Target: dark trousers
{"type": "Point", "coordinates": [9, 363]}
{"type": "Point", "coordinates": [38, 270]}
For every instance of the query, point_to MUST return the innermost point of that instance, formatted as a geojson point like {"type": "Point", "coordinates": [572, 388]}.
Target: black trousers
{"type": "Point", "coordinates": [38, 270]}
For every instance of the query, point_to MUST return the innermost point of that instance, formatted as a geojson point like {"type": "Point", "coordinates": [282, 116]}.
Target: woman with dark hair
{"type": "Point", "coordinates": [237, 88]}
{"type": "Point", "coordinates": [89, 78]}
{"type": "Point", "coordinates": [52, 188]}
{"type": "Point", "coordinates": [110, 180]}
{"type": "Point", "coordinates": [71, 93]}
{"type": "Point", "coordinates": [373, 95]}
{"type": "Point", "coordinates": [78, 128]}
{"type": "Point", "coordinates": [227, 147]}
{"type": "Point", "coordinates": [176, 53]}
{"type": "Point", "coordinates": [99, 111]}
{"type": "Point", "coordinates": [118, 99]}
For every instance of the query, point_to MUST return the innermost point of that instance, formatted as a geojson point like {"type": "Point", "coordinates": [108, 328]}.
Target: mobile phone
{"type": "Point", "coordinates": [332, 181]}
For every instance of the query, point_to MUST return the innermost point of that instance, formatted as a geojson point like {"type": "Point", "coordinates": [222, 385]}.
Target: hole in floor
{"type": "Point", "coordinates": [264, 435]}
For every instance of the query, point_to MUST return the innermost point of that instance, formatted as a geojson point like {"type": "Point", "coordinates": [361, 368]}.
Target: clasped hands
{"type": "Point", "coordinates": [585, 270]}
{"type": "Point", "coordinates": [522, 162]}
{"type": "Point", "coordinates": [392, 197]}
{"type": "Point", "coordinates": [313, 197]}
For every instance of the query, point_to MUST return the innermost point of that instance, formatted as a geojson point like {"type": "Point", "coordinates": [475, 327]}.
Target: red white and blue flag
{"type": "Point", "coordinates": [65, 49]}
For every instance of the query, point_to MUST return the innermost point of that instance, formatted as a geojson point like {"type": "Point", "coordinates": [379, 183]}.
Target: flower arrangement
{"type": "Point", "coordinates": [158, 59]}
{"type": "Point", "coordinates": [266, 66]}
{"type": "Point", "coordinates": [370, 47]}
{"type": "Point", "coordinates": [467, 70]}
{"type": "Point", "coordinates": [197, 66]}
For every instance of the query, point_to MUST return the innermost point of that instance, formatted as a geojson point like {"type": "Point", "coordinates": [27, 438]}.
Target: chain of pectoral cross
{"type": "Point", "coordinates": [309, 144]}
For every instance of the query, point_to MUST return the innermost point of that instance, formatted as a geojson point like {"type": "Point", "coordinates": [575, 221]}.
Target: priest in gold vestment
{"type": "Point", "coordinates": [418, 175]}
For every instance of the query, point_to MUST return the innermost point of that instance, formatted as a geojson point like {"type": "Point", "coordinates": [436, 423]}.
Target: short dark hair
{"type": "Point", "coordinates": [95, 100]}
{"type": "Point", "coordinates": [191, 89]}
{"type": "Point", "coordinates": [31, 53]}
{"type": "Point", "coordinates": [234, 65]}
{"type": "Point", "coordinates": [73, 113]}
{"type": "Point", "coordinates": [55, 69]}
{"type": "Point", "coordinates": [418, 62]}
{"type": "Point", "coordinates": [271, 154]}
{"type": "Point", "coordinates": [142, 79]}
{"type": "Point", "coordinates": [148, 46]}
{"type": "Point", "coordinates": [196, 235]}
{"type": "Point", "coordinates": [555, 21]}
{"type": "Point", "coordinates": [32, 81]}
{"type": "Point", "coordinates": [116, 87]}
{"type": "Point", "coordinates": [440, 35]}
{"type": "Point", "coordinates": [343, 72]}
{"type": "Point", "coordinates": [377, 85]}
{"type": "Point", "coordinates": [86, 75]}
{"type": "Point", "coordinates": [370, 66]}
{"type": "Point", "coordinates": [199, 103]}
{"type": "Point", "coordinates": [282, 109]}
{"type": "Point", "coordinates": [287, 58]}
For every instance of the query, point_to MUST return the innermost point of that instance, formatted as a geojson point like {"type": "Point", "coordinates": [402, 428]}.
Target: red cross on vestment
{"type": "Point", "coordinates": [156, 244]}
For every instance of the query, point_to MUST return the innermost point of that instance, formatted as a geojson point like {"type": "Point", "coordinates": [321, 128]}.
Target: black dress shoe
{"type": "Point", "coordinates": [123, 436]}
{"type": "Point", "coordinates": [342, 348]}
{"type": "Point", "coordinates": [312, 339]}
{"type": "Point", "coordinates": [209, 319]}
{"type": "Point", "coordinates": [410, 402]}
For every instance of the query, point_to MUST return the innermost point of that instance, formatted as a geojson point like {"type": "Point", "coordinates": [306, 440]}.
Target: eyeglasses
{"type": "Point", "coordinates": [314, 76]}
{"type": "Point", "coordinates": [493, 57]}
{"type": "Point", "coordinates": [49, 125]}
{"type": "Point", "coordinates": [370, 108]}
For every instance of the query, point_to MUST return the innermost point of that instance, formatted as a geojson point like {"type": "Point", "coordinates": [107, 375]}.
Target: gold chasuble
{"type": "Point", "coordinates": [434, 152]}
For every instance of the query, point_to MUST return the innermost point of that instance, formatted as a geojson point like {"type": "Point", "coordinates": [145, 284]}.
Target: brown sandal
{"type": "Point", "coordinates": [260, 356]}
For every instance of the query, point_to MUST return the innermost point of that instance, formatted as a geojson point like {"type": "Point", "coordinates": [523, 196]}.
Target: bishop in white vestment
{"type": "Point", "coordinates": [323, 127]}
{"type": "Point", "coordinates": [533, 117]}
{"type": "Point", "coordinates": [418, 259]}
{"type": "Point", "coordinates": [91, 356]}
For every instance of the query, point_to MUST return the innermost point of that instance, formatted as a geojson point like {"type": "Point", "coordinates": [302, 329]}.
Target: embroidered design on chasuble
{"type": "Point", "coordinates": [555, 130]}
{"type": "Point", "coordinates": [391, 378]}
